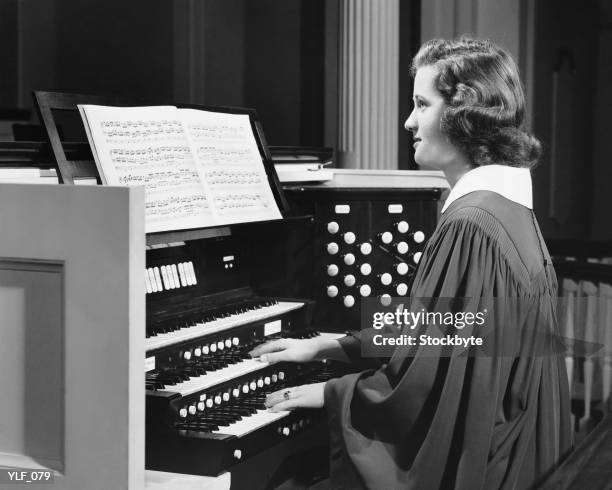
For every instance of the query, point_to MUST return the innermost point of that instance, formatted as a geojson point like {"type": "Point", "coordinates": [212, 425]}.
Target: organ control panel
{"type": "Point", "coordinates": [366, 243]}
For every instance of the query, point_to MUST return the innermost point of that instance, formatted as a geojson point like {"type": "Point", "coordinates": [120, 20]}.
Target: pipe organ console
{"type": "Point", "coordinates": [210, 302]}
{"type": "Point", "coordinates": [213, 294]}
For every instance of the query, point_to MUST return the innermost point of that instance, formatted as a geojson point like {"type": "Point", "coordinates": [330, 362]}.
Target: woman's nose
{"type": "Point", "coordinates": [410, 124]}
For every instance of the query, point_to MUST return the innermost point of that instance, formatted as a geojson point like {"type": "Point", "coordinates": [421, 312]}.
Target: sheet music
{"type": "Point", "coordinates": [231, 166]}
{"type": "Point", "coordinates": [148, 146]}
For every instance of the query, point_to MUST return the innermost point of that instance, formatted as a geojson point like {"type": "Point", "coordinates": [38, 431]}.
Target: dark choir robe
{"type": "Point", "coordinates": [492, 419]}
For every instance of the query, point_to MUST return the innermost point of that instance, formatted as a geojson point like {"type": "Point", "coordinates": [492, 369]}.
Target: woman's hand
{"type": "Point", "coordinates": [288, 350]}
{"type": "Point", "coordinates": [305, 396]}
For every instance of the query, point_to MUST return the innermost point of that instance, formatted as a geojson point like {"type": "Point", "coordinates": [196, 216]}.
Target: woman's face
{"type": "Point", "coordinates": [432, 147]}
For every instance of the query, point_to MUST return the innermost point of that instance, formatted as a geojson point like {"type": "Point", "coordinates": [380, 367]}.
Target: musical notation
{"type": "Point", "coordinates": [199, 168]}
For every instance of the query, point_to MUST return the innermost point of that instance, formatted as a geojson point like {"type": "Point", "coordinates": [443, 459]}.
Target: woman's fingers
{"type": "Point", "coordinates": [268, 347]}
{"type": "Point", "coordinates": [286, 399]}
{"type": "Point", "coordinates": [307, 396]}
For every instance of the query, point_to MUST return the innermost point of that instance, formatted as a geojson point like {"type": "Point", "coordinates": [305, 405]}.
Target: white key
{"type": "Point", "coordinates": [253, 422]}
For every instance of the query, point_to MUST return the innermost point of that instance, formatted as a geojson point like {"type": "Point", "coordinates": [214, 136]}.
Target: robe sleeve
{"type": "Point", "coordinates": [439, 420]}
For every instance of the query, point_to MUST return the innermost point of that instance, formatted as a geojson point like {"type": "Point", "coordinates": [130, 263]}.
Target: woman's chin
{"type": "Point", "coordinates": [424, 165]}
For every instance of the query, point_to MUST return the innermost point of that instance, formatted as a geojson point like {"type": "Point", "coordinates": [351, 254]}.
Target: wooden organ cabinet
{"type": "Point", "coordinates": [212, 294]}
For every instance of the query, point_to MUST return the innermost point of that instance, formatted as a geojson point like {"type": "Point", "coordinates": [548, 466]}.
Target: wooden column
{"type": "Point", "coordinates": [369, 72]}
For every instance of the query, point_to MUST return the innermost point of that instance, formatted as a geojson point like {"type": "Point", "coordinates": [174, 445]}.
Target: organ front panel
{"type": "Point", "coordinates": [205, 396]}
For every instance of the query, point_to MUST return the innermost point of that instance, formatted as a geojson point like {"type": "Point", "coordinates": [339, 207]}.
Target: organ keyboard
{"type": "Point", "coordinates": [204, 393]}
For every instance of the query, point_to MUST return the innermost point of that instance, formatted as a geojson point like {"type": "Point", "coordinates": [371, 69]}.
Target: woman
{"type": "Point", "coordinates": [491, 418]}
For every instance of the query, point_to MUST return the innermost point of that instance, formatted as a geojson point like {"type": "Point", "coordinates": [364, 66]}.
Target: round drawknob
{"type": "Point", "coordinates": [274, 378]}
{"type": "Point", "coordinates": [349, 237]}
{"type": "Point", "coordinates": [267, 380]}
{"type": "Point", "coordinates": [401, 289]}
{"type": "Point", "coordinates": [220, 345]}
{"type": "Point", "coordinates": [402, 268]}
{"type": "Point", "coordinates": [226, 397]}
{"type": "Point", "coordinates": [333, 227]}
{"type": "Point", "coordinates": [197, 352]}
{"type": "Point", "coordinates": [385, 300]}
{"type": "Point", "coordinates": [192, 409]}
{"type": "Point", "coordinates": [218, 400]}
{"type": "Point", "coordinates": [349, 301]}
{"type": "Point", "coordinates": [286, 431]}
{"type": "Point", "coordinates": [386, 278]}
{"type": "Point", "coordinates": [365, 248]}
{"type": "Point", "coordinates": [349, 259]}
{"type": "Point", "coordinates": [402, 226]}
{"type": "Point", "coordinates": [349, 280]}
{"type": "Point", "coordinates": [402, 247]}
{"type": "Point", "coordinates": [418, 236]}
{"type": "Point", "coordinates": [386, 237]}
{"type": "Point", "coordinates": [183, 413]}
{"type": "Point", "coordinates": [235, 341]}
{"type": "Point", "coordinates": [332, 248]}
{"type": "Point", "coordinates": [332, 270]}
{"type": "Point", "coordinates": [187, 355]}
{"type": "Point", "coordinates": [365, 290]}
{"type": "Point", "coordinates": [237, 454]}
{"type": "Point", "coordinates": [281, 375]}
{"type": "Point", "coordinates": [417, 257]}
{"type": "Point", "coordinates": [332, 291]}
{"type": "Point", "coordinates": [235, 392]}
{"type": "Point", "coordinates": [365, 269]}
{"type": "Point", "coordinates": [253, 385]}
{"type": "Point", "coordinates": [205, 349]}
{"type": "Point", "coordinates": [209, 403]}
{"type": "Point", "coordinates": [228, 343]}
{"type": "Point", "coordinates": [245, 388]}
{"type": "Point", "coordinates": [201, 406]}
{"type": "Point", "coordinates": [260, 383]}
{"type": "Point", "coordinates": [213, 347]}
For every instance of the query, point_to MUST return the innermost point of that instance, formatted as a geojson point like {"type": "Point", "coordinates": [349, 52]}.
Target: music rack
{"type": "Point", "coordinates": [50, 104]}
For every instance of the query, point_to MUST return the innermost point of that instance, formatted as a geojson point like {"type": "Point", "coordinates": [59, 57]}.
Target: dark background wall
{"type": "Point", "coordinates": [278, 57]}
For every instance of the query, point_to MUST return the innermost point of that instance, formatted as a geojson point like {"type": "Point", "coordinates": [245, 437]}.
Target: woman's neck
{"type": "Point", "coordinates": [454, 172]}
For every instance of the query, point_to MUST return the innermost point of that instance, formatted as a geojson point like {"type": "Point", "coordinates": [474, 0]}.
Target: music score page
{"type": "Point", "coordinates": [199, 168]}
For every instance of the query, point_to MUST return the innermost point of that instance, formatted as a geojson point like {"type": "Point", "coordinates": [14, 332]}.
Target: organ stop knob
{"type": "Point", "coordinates": [332, 291]}
{"type": "Point", "coordinates": [332, 248]}
{"type": "Point", "coordinates": [386, 237]}
{"type": "Point", "coordinates": [365, 269]}
{"type": "Point", "coordinates": [333, 227]}
{"type": "Point", "coordinates": [402, 226]}
{"type": "Point", "coordinates": [349, 301]}
{"type": "Point", "coordinates": [332, 270]}
{"type": "Point", "coordinates": [365, 248]}
{"type": "Point", "coordinates": [401, 268]}
{"type": "Point", "coordinates": [349, 237]}
{"type": "Point", "coordinates": [418, 236]}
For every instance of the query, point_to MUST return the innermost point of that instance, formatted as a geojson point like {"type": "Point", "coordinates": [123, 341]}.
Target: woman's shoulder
{"type": "Point", "coordinates": [509, 225]}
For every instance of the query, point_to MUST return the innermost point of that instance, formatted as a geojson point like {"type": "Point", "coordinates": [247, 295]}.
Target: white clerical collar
{"type": "Point", "coordinates": [510, 182]}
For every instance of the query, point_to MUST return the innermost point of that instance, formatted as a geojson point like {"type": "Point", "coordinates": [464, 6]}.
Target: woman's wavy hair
{"type": "Point", "coordinates": [486, 104]}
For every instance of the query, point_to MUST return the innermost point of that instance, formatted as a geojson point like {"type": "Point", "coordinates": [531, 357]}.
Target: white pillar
{"type": "Point", "coordinates": [369, 78]}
